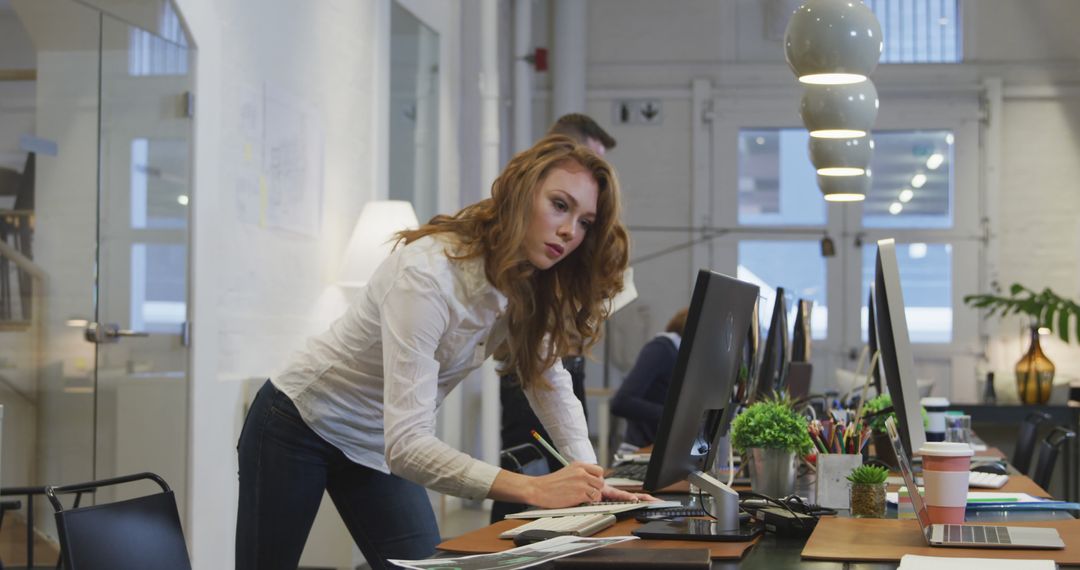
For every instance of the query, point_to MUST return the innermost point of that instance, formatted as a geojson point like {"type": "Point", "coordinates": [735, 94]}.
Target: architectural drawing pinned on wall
{"type": "Point", "coordinates": [277, 160]}
{"type": "Point", "coordinates": [292, 164]}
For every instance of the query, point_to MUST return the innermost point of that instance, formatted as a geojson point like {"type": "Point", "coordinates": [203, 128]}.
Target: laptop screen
{"type": "Point", "coordinates": [908, 475]}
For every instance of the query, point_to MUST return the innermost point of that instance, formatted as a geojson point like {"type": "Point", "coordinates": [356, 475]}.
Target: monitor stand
{"type": "Point", "coordinates": [724, 528]}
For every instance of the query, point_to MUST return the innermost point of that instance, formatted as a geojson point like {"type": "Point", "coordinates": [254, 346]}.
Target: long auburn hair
{"type": "Point", "coordinates": [564, 304]}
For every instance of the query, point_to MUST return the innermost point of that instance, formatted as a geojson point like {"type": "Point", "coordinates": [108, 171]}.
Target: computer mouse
{"type": "Point", "coordinates": [995, 468]}
{"type": "Point", "coordinates": [531, 536]}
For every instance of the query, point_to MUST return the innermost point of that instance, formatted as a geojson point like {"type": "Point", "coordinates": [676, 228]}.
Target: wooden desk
{"type": "Point", "coordinates": [768, 551]}
{"type": "Point", "coordinates": [1014, 414]}
{"type": "Point", "coordinates": [487, 540]}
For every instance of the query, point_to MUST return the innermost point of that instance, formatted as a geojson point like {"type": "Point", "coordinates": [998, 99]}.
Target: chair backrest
{"type": "Point", "coordinates": [1025, 441]}
{"type": "Point", "coordinates": [1048, 452]}
{"type": "Point", "coordinates": [133, 534]}
{"type": "Point", "coordinates": [524, 458]}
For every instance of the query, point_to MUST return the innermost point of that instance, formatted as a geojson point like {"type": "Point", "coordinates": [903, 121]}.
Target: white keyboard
{"type": "Point", "coordinates": [577, 525]}
{"type": "Point", "coordinates": [987, 480]}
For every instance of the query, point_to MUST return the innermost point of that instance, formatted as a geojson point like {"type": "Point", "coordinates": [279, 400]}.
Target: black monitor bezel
{"type": "Point", "coordinates": [666, 466]}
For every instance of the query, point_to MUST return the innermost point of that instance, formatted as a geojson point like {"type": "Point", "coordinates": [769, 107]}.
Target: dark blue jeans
{"type": "Point", "coordinates": [284, 469]}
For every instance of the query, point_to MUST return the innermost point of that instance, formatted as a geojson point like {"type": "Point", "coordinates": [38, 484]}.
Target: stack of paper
{"type": "Point", "coordinates": [914, 562]}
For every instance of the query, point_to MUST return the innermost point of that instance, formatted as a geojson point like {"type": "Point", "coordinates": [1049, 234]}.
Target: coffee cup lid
{"type": "Point", "coordinates": [935, 402]}
{"type": "Point", "coordinates": [946, 449]}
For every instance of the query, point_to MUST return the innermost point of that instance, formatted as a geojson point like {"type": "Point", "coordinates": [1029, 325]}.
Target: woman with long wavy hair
{"type": "Point", "coordinates": [530, 269]}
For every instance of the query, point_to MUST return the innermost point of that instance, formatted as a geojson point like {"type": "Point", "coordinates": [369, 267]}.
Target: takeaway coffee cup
{"type": "Point", "coordinates": [935, 412]}
{"type": "Point", "coordinates": [945, 478]}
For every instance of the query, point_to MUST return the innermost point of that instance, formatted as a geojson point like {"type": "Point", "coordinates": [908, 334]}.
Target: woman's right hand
{"type": "Point", "coordinates": [570, 486]}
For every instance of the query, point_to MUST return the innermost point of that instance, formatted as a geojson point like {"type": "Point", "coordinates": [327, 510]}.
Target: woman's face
{"type": "Point", "coordinates": [563, 209]}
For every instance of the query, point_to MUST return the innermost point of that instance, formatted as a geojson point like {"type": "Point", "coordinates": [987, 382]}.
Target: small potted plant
{"type": "Point", "coordinates": [769, 435]}
{"type": "Point", "coordinates": [872, 412]}
{"type": "Point", "coordinates": [868, 491]}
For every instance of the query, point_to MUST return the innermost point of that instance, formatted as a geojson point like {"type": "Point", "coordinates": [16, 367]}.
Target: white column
{"type": "Point", "coordinates": [569, 52]}
{"type": "Point", "coordinates": [489, 169]}
{"type": "Point", "coordinates": [523, 75]}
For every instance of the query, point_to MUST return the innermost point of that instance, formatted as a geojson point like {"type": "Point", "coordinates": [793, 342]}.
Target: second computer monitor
{"type": "Point", "coordinates": [775, 353]}
{"type": "Point", "coordinates": [709, 356]}
{"type": "Point", "coordinates": [801, 334]}
{"type": "Point", "coordinates": [897, 362]}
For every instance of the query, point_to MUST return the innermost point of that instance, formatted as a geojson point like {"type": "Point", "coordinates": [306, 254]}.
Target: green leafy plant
{"type": "Point", "coordinates": [1046, 308]}
{"type": "Point", "coordinates": [876, 420]}
{"type": "Point", "coordinates": [868, 475]}
{"type": "Point", "coordinates": [772, 424]}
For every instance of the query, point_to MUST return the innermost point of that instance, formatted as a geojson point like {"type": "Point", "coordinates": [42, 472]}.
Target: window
{"type": "Point", "coordinates": [784, 218]}
{"type": "Point", "coordinates": [798, 267]}
{"type": "Point", "coordinates": [151, 54]}
{"type": "Point", "coordinates": [919, 31]}
{"type": "Point", "coordinates": [776, 181]}
{"type": "Point", "coordinates": [925, 283]}
{"type": "Point", "coordinates": [912, 180]}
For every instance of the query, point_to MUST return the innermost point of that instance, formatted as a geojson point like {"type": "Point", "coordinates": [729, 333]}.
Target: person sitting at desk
{"type": "Point", "coordinates": [640, 399]}
{"type": "Point", "coordinates": [354, 413]}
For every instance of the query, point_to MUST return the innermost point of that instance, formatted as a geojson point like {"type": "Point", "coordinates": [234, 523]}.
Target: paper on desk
{"type": "Point", "coordinates": [984, 497]}
{"type": "Point", "coordinates": [520, 557]}
{"type": "Point", "coordinates": [916, 562]}
{"type": "Point", "coordinates": [622, 482]}
{"type": "Point", "coordinates": [605, 508]}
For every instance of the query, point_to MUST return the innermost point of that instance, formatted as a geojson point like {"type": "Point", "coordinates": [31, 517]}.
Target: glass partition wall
{"type": "Point", "coordinates": [95, 185]}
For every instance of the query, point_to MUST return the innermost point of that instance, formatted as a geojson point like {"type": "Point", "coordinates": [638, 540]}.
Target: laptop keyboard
{"type": "Point", "coordinates": [977, 534]}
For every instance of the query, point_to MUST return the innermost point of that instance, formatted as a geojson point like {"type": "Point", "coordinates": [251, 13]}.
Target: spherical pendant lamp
{"type": "Point", "coordinates": [833, 42]}
{"type": "Point", "coordinates": [840, 157]}
{"type": "Point", "coordinates": [839, 111]}
{"type": "Point", "coordinates": [844, 188]}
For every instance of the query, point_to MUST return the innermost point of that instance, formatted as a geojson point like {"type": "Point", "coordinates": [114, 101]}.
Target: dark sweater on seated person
{"type": "Point", "coordinates": [640, 399]}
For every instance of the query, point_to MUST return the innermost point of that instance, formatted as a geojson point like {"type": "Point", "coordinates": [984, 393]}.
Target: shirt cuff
{"type": "Point", "coordinates": [479, 478]}
{"type": "Point", "coordinates": [581, 451]}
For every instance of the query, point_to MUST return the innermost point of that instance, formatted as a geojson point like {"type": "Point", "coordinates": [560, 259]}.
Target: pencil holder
{"type": "Point", "coordinates": [868, 500]}
{"type": "Point", "coordinates": [832, 483]}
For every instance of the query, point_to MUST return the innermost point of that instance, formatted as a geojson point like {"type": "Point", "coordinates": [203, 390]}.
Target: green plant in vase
{"type": "Point", "coordinates": [1045, 309]}
{"type": "Point", "coordinates": [868, 491]}
{"type": "Point", "coordinates": [769, 434]}
{"type": "Point", "coordinates": [876, 420]}
{"type": "Point", "coordinates": [874, 415]}
{"type": "Point", "coordinates": [771, 424]}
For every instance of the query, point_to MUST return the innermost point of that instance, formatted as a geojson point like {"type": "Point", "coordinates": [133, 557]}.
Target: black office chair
{"type": "Point", "coordinates": [1048, 452]}
{"type": "Point", "coordinates": [28, 493]}
{"type": "Point", "coordinates": [133, 534]}
{"type": "Point", "coordinates": [1025, 441]}
{"type": "Point", "coordinates": [526, 459]}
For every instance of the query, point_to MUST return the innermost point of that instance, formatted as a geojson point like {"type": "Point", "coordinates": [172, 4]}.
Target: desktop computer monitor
{"type": "Point", "coordinates": [871, 333]}
{"type": "Point", "coordinates": [699, 403]}
{"type": "Point", "coordinates": [897, 363]}
{"type": "Point", "coordinates": [800, 336]}
{"type": "Point", "coordinates": [775, 354]}
{"type": "Point", "coordinates": [744, 383]}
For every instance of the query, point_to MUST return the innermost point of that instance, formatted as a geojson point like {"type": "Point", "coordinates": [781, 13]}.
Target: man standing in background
{"type": "Point", "coordinates": [518, 419]}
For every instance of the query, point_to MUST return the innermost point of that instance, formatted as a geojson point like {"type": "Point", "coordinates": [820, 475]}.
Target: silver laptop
{"type": "Point", "coordinates": [967, 535]}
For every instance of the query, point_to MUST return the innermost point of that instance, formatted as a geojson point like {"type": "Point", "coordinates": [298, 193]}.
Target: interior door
{"type": "Point", "coordinates": [142, 281]}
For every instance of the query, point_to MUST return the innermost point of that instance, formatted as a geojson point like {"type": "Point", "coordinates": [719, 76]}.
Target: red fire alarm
{"type": "Point", "coordinates": [539, 59]}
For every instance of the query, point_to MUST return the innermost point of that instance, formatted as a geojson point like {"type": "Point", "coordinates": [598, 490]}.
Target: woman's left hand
{"type": "Point", "coordinates": [609, 493]}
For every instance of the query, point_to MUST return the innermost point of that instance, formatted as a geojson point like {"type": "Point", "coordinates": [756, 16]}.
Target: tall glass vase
{"type": "Point", "coordinates": [1034, 373]}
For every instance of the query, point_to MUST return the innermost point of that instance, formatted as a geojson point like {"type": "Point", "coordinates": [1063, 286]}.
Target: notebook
{"type": "Point", "coordinates": [967, 535]}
